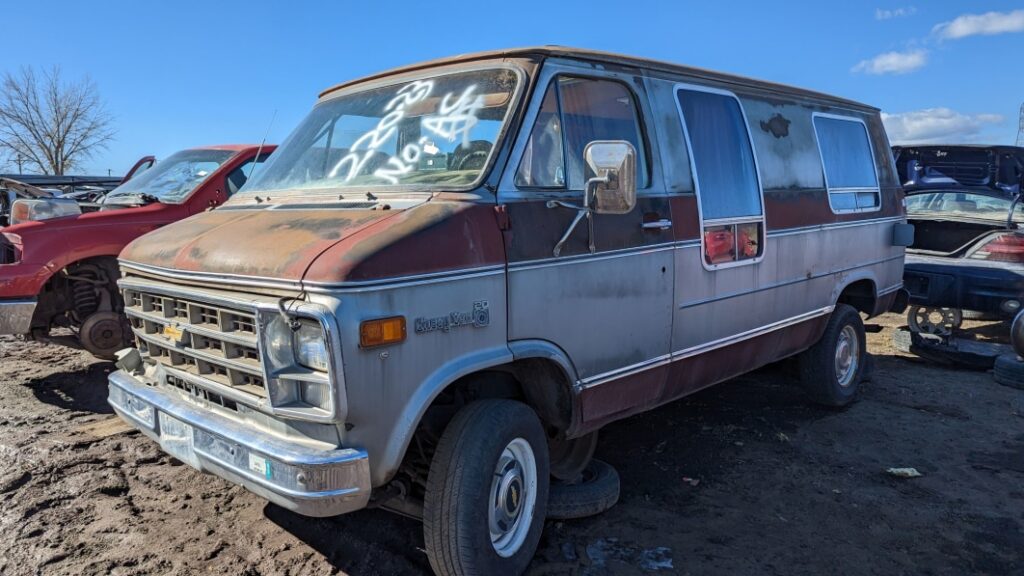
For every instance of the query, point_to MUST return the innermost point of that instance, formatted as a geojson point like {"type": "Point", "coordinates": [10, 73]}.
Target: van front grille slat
{"type": "Point", "coordinates": [217, 349]}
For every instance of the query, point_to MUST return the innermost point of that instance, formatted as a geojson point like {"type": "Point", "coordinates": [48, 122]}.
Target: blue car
{"type": "Point", "coordinates": [967, 259]}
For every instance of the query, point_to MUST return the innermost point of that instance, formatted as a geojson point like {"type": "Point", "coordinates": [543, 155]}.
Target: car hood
{"type": "Point", "coordinates": [273, 242]}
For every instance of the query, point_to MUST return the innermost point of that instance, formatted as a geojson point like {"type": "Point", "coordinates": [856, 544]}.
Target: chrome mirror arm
{"type": "Point", "coordinates": [581, 212]}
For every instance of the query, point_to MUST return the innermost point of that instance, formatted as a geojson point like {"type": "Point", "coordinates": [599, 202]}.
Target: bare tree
{"type": "Point", "coordinates": [49, 124]}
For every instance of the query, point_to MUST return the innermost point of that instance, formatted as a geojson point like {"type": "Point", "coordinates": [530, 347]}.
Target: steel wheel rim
{"type": "Point", "coordinates": [513, 498]}
{"type": "Point", "coordinates": [847, 355]}
{"type": "Point", "coordinates": [934, 320]}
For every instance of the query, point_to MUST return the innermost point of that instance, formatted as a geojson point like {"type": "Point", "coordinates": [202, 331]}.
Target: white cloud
{"type": "Point", "coordinates": [883, 14]}
{"type": "Point", "coordinates": [893, 62]}
{"type": "Point", "coordinates": [936, 126]}
{"type": "Point", "coordinates": [987, 24]}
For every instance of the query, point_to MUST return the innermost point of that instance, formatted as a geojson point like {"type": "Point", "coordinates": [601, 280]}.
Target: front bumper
{"type": "Point", "coordinates": [956, 283]}
{"type": "Point", "coordinates": [304, 479]}
{"type": "Point", "coordinates": [16, 316]}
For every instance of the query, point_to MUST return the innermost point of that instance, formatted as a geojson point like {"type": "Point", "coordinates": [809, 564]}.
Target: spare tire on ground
{"type": "Point", "coordinates": [595, 492]}
{"type": "Point", "coordinates": [1009, 371]}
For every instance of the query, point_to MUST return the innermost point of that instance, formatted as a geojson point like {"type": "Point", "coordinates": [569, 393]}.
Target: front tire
{"type": "Point", "coordinates": [487, 491]}
{"type": "Point", "coordinates": [831, 370]}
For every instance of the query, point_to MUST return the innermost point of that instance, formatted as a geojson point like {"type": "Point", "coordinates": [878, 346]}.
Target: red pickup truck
{"type": "Point", "coordinates": [58, 257]}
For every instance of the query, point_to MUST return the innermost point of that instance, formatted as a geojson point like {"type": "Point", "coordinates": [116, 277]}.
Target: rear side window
{"type": "Point", "coordinates": [575, 112]}
{"type": "Point", "coordinates": [848, 163]}
{"type": "Point", "coordinates": [728, 186]}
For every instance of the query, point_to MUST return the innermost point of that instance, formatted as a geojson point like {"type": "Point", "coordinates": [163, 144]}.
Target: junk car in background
{"type": "Point", "coordinates": [967, 258]}
{"type": "Point", "coordinates": [455, 273]}
{"type": "Point", "coordinates": [58, 256]}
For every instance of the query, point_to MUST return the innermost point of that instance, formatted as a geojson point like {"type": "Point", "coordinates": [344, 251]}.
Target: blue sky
{"type": "Point", "coordinates": [187, 73]}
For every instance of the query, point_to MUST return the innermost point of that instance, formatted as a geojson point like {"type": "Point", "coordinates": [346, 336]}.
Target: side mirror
{"type": "Point", "coordinates": [613, 188]}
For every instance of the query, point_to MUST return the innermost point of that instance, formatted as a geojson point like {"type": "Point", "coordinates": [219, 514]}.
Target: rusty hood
{"type": "Point", "coordinates": [257, 242]}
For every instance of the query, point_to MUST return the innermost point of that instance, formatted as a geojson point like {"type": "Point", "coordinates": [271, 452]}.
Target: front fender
{"type": "Point", "coordinates": [417, 403]}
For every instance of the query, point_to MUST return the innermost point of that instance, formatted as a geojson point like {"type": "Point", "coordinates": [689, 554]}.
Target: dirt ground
{"type": "Point", "coordinates": [744, 478]}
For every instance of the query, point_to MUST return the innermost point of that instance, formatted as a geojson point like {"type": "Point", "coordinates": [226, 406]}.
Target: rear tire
{"type": "Point", "coordinates": [487, 491]}
{"type": "Point", "coordinates": [596, 492]}
{"type": "Point", "coordinates": [831, 370]}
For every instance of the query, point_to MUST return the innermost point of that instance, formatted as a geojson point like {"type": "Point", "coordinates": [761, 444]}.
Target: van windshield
{"type": "Point", "coordinates": [420, 134]}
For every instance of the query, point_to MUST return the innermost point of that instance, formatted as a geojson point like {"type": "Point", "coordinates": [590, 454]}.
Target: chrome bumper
{"type": "Point", "coordinates": [16, 316]}
{"type": "Point", "coordinates": [305, 480]}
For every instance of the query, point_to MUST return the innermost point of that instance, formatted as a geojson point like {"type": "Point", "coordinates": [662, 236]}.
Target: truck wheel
{"type": "Point", "coordinates": [595, 492]}
{"type": "Point", "coordinates": [1009, 371]}
{"type": "Point", "coordinates": [487, 491]}
{"type": "Point", "coordinates": [569, 458]}
{"type": "Point", "coordinates": [830, 371]}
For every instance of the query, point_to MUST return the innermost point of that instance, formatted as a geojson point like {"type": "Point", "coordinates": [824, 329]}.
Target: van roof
{"type": "Point", "coordinates": [609, 58]}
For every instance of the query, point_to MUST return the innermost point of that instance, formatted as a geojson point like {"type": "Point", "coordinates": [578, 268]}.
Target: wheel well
{"type": "Point", "coordinates": [56, 301]}
{"type": "Point", "coordinates": [860, 295]}
{"type": "Point", "coordinates": [539, 383]}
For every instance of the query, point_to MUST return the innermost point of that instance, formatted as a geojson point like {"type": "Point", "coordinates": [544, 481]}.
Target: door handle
{"type": "Point", "coordinates": [662, 224]}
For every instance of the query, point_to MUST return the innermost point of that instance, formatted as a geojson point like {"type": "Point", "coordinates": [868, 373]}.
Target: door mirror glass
{"type": "Point", "coordinates": [612, 189]}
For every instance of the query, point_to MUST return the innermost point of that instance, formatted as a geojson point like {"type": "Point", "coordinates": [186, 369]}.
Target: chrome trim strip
{"type": "Point", "coordinates": [789, 282]}
{"type": "Point", "coordinates": [220, 278]}
{"type": "Point", "coordinates": [612, 375]}
{"type": "Point", "coordinates": [722, 342]}
{"type": "Point", "coordinates": [834, 226]}
{"type": "Point", "coordinates": [405, 282]}
{"type": "Point", "coordinates": [584, 258]}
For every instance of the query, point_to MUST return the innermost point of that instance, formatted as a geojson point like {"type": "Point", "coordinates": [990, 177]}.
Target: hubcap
{"type": "Point", "coordinates": [847, 355]}
{"type": "Point", "coordinates": [513, 497]}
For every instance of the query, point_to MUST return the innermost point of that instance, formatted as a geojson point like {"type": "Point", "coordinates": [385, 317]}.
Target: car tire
{"type": "Point", "coordinates": [1009, 371]}
{"type": "Point", "coordinates": [831, 370]}
{"type": "Point", "coordinates": [595, 492]}
{"type": "Point", "coordinates": [487, 491]}
{"type": "Point", "coordinates": [569, 458]}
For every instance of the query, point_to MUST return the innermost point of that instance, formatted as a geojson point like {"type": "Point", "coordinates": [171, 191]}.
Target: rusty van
{"type": "Point", "coordinates": [453, 274]}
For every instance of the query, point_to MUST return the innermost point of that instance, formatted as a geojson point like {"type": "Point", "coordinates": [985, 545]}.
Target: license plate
{"type": "Point", "coordinates": [174, 333]}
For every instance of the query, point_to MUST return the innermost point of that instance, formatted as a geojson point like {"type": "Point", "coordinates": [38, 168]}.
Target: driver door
{"type": "Point", "coordinates": [609, 310]}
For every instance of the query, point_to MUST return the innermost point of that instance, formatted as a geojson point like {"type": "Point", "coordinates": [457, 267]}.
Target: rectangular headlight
{"type": "Point", "coordinates": [310, 346]}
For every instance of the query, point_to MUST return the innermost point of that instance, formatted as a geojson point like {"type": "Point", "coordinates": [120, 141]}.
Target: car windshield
{"type": "Point", "coordinates": [172, 179]}
{"type": "Point", "coordinates": [962, 204]}
{"type": "Point", "coordinates": [434, 131]}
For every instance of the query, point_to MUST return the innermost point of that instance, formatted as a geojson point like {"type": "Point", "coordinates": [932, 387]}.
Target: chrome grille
{"type": "Point", "coordinates": [217, 348]}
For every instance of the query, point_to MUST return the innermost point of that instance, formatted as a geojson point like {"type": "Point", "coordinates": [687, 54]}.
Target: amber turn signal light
{"type": "Point", "coordinates": [382, 331]}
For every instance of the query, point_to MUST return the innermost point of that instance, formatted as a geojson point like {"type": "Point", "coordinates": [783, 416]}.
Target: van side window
{"type": "Point", "coordinates": [574, 113]}
{"type": "Point", "coordinates": [849, 165]}
{"type": "Point", "coordinates": [725, 173]}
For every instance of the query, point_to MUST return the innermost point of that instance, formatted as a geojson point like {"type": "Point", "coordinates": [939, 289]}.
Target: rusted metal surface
{"type": "Point", "coordinates": [433, 237]}
{"type": "Point", "coordinates": [278, 244]}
